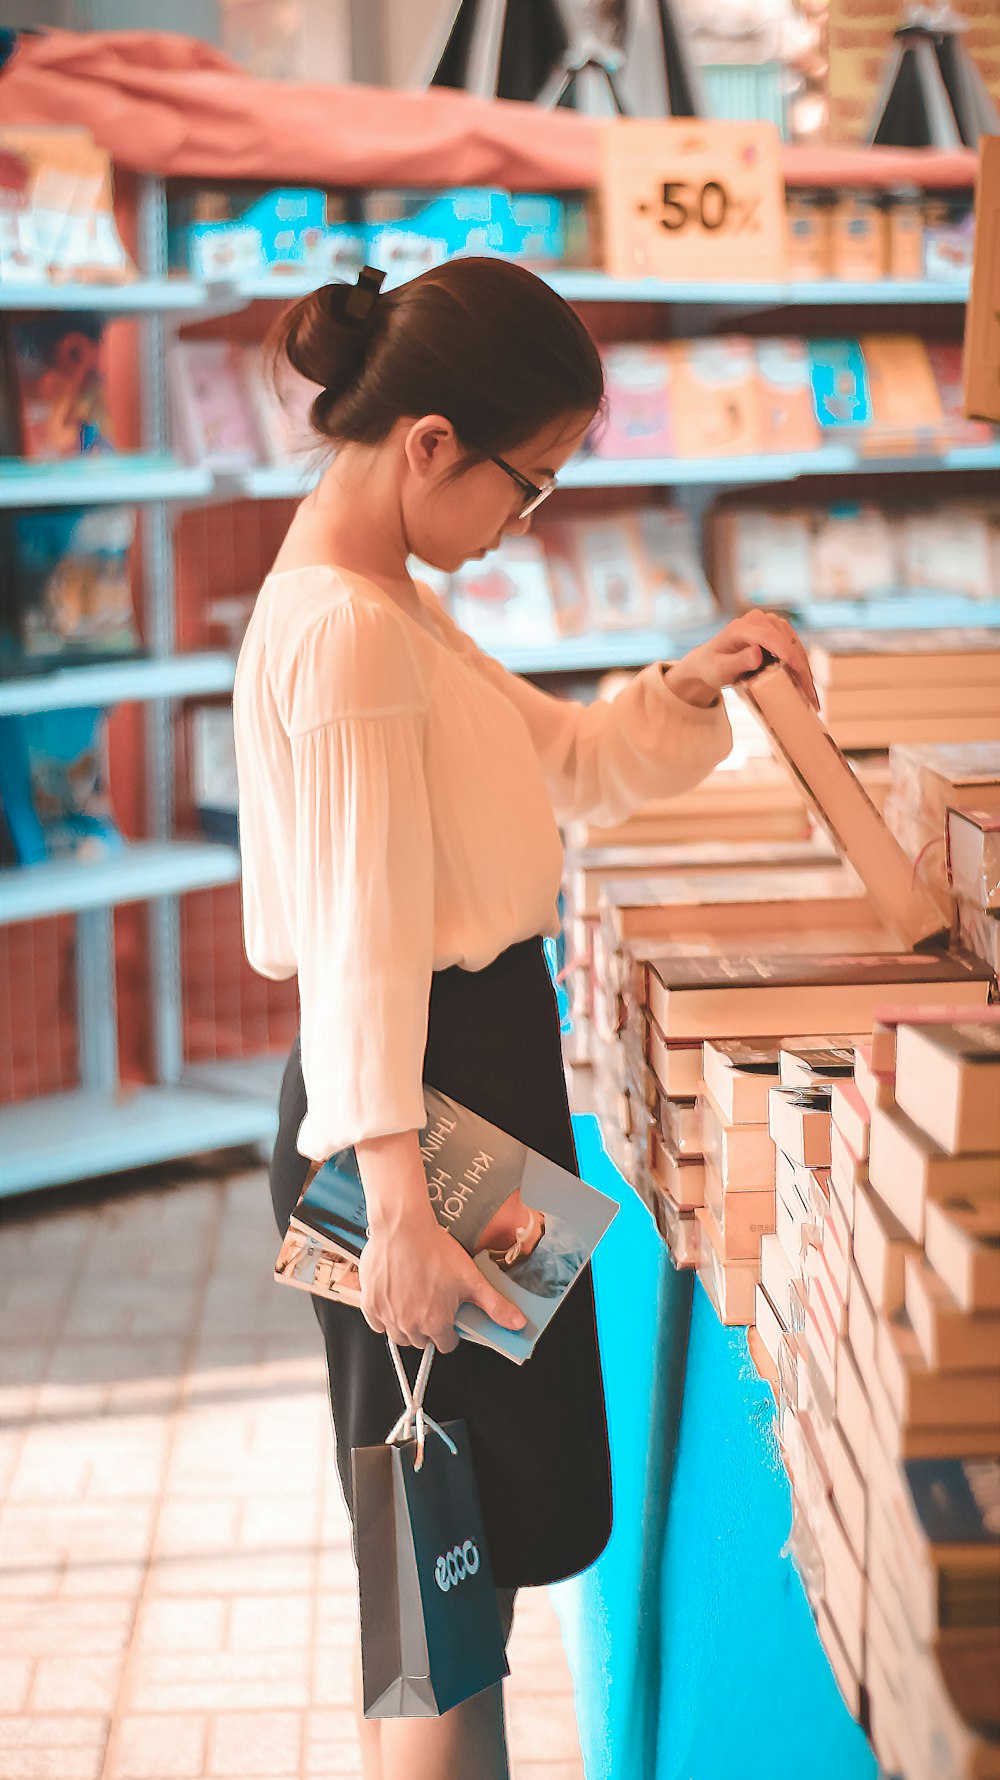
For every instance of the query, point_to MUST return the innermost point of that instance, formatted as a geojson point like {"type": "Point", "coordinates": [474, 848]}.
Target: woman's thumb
{"type": "Point", "coordinates": [497, 1306]}
{"type": "Point", "coordinates": [744, 661]}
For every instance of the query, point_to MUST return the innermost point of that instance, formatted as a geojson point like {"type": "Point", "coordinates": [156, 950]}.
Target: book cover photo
{"type": "Point", "coordinates": [472, 1168]}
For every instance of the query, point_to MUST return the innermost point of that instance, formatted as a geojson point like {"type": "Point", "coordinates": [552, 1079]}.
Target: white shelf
{"type": "Point", "coordinates": [600, 649]}
{"type": "Point", "coordinates": [581, 286]}
{"type": "Point", "coordinates": [271, 482]}
{"type": "Point", "coordinates": [150, 296]}
{"type": "Point", "coordinates": [274, 482]}
{"type": "Point", "coordinates": [110, 683]}
{"type": "Point", "coordinates": [143, 296]}
{"type": "Point", "coordinates": [88, 481]}
{"type": "Point", "coordinates": [675, 472]}
{"type": "Point", "coordinates": [587, 285]}
{"type": "Point", "coordinates": [258, 1076]}
{"type": "Point", "coordinates": [143, 869]}
{"type": "Point", "coordinates": [901, 611]}
{"type": "Point", "coordinates": [76, 1136]}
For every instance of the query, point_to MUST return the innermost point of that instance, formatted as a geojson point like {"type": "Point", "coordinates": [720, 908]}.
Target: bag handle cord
{"type": "Point", "coordinates": [414, 1416]}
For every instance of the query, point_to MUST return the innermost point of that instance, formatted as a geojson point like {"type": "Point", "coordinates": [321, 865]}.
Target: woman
{"type": "Point", "coordinates": [399, 798]}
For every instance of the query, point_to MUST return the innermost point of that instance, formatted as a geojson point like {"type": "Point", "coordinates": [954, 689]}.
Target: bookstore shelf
{"type": "Point", "coordinates": [142, 296]}
{"type": "Point", "coordinates": [595, 650]}
{"type": "Point", "coordinates": [118, 477]}
{"type": "Point", "coordinates": [584, 285]}
{"type": "Point", "coordinates": [140, 871]}
{"type": "Point", "coordinates": [145, 480]}
{"type": "Point", "coordinates": [181, 295]}
{"type": "Point", "coordinates": [68, 1137]}
{"type": "Point", "coordinates": [285, 482]}
{"type": "Point", "coordinates": [110, 683]}
{"type": "Point", "coordinates": [102, 1127]}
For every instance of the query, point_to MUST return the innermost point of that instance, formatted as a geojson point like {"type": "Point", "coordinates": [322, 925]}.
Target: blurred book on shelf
{"type": "Point", "coordinates": [633, 571]}
{"type": "Point", "coordinates": [66, 588]}
{"type": "Point", "coordinates": [804, 558]}
{"type": "Point", "coordinates": [57, 222]}
{"type": "Point", "coordinates": [252, 231]}
{"type": "Point", "coordinates": [54, 786]}
{"type": "Point", "coordinates": [58, 386]}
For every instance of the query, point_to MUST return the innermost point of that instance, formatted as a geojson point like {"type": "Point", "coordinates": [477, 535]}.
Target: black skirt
{"type": "Point", "coordinates": [537, 1432]}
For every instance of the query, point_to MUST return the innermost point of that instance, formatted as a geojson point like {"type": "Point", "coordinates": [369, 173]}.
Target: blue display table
{"type": "Point", "coordinates": [694, 1653]}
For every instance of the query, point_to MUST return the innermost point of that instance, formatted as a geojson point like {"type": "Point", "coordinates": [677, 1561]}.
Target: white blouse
{"type": "Point", "coordinates": [399, 793]}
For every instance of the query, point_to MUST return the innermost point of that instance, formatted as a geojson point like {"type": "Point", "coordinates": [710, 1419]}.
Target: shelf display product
{"type": "Point", "coordinates": [215, 421]}
{"type": "Point", "coordinates": [56, 217]}
{"type": "Point", "coordinates": [66, 588]}
{"type": "Point", "coordinates": [798, 557]}
{"type": "Point", "coordinates": [53, 785]}
{"type": "Point", "coordinates": [58, 379]}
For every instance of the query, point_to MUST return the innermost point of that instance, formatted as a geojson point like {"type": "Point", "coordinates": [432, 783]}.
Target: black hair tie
{"type": "Point", "coordinates": [360, 298]}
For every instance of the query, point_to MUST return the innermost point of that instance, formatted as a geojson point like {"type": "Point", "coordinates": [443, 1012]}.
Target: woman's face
{"type": "Point", "coordinates": [449, 520]}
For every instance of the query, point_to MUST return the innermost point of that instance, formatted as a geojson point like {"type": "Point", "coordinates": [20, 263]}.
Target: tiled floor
{"type": "Point", "coordinates": [176, 1586]}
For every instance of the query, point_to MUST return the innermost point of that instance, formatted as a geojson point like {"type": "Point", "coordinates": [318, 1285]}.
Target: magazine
{"type": "Point", "coordinates": [472, 1168]}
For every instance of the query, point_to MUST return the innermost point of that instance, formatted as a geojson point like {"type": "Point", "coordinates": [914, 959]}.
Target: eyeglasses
{"type": "Point", "coordinates": [534, 495]}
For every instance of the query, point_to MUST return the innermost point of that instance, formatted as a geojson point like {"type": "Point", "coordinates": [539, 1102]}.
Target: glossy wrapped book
{"type": "Point", "coordinates": [472, 1169]}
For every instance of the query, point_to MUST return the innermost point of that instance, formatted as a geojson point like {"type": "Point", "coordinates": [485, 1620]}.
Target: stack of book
{"type": "Point", "coordinates": [638, 871]}
{"type": "Point", "coordinates": [880, 1336]}
{"type": "Point", "coordinates": [645, 1088]}
{"type": "Point", "coordinates": [920, 1384]}
{"type": "Point", "coordinates": [801, 1311]}
{"type": "Point", "coordinates": [927, 780]}
{"type": "Point", "coordinates": [737, 1210]}
{"type": "Point", "coordinates": [880, 687]}
{"type": "Point", "coordinates": [747, 813]}
{"type": "Point", "coordinates": [694, 997]}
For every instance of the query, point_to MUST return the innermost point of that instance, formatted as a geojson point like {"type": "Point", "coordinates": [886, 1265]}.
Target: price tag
{"type": "Point", "coordinates": [686, 199]}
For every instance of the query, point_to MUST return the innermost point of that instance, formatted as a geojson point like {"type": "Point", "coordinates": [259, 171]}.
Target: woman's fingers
{"type": "Point", "coordinates": [742, 659]}
{"type": "Point", "coordinates": [779, 637]}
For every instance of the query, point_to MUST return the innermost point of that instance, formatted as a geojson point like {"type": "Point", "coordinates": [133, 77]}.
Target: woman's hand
{"type": "Point", "coordinates": [413, 1279]}
{"type": "Point", "coordinates": [700, 676]}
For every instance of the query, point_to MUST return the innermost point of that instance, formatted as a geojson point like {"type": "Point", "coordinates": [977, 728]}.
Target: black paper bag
{"type": "Point", "coordinates": [430, 1623]}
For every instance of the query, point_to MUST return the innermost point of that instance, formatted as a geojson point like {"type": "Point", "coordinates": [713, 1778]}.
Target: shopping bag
{"type": "Point", "coordinates": [430, 1622]}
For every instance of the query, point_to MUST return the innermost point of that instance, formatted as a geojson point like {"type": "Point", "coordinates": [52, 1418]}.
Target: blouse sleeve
{"type": "Point", "coordinates": [364, 882]}
{"type": "Point", "coordinates": [605, 760]}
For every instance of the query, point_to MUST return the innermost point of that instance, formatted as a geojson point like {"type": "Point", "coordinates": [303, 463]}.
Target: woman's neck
{"type": "Point", "coordinates": [351, 519]}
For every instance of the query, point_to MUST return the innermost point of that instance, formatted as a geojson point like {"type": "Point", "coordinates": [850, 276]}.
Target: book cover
{"type": "Point", "coordinates": [948, 1082]}
{"type": "Point", "coordinates": [214, 411]}
{"type": "Point", "coordinates": [954, 1501]}
{"type": "Point", "coordinates": [472, 1168]}
{"type": "Point", "coordinates": [840, 391]}
{"type": "Point", "coordinates": [787, 417]}
{"type": "Point", "coordinates": [716, 407]}
{"type": "Point", "coordinates": [840, 802]}
{"type": "Point", "coordinates": [59, 370]}
{"type": "Point", "coordinates": [638, 424]}
{"type": "Point", "coordinates": [906, 407]}
{"type": "Point", "coordinates": [973, 854]}
{"type": "Point", "coordinates": [685, 973]}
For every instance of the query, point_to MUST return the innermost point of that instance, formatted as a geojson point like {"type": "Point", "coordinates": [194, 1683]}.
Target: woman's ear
{"type": "Point", "coordinates": [430, 445]}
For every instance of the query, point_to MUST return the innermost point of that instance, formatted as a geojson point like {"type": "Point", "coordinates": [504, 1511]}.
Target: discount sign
{"type": "Point", "coordinates": [690, 200]}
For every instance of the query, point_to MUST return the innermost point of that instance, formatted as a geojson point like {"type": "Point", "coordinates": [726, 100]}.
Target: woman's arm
{"type": "Point", "coordinates": [660, 735]}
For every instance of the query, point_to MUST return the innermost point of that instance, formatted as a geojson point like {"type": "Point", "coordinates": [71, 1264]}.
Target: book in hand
{"type": "Point", "coordinates": [472, 1168]}
{"type": "Point", "coordinates": [840, 802]}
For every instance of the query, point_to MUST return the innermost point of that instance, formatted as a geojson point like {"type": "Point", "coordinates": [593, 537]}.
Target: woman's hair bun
{"type": "Point", "coordinates": [322, 342]}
